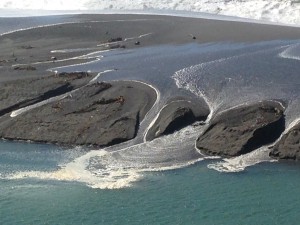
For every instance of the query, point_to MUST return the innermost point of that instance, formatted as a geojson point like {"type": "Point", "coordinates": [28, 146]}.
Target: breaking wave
{"type": "Point", "coordinates": [279, 11]}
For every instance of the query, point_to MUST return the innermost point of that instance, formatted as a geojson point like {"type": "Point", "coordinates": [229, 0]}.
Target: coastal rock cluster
{"type": "Point", "coordinates": [85, 113]}
{"type": "Point", "coordinates": [70, 108]}
{"type": "Point", "coordinates": [67, 108]}
{"type": "Point", "coordinates": [242, 129]}
{"type": "Point", "coordinates": [20, 93]}
{"type": "Point", "coordinates": [176, 115]}
{"type": "Point", "coordinates": [288, 147]}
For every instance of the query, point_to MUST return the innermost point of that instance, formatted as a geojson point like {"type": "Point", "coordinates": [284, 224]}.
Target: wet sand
{"type": "Point", "coordinates": [35, 45]}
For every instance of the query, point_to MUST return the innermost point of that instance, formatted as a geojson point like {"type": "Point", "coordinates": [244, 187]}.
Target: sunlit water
{"type": "Point", "coordinates": [167, 180]}
{"type": "Point", "coordinates": [264, 194]}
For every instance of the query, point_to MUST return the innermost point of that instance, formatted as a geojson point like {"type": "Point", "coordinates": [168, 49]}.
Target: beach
{"type": "Point", "coordinates": [88, 31]}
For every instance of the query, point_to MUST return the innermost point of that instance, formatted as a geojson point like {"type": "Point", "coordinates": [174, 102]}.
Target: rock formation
{"type": "Point", "coordinates": [242, 129]}
{"type": "Point", "coordinates": [23, 92]}
{"type": "Point", "coordinates": [96, 114]}
{"type": "Point", "coordinates": [176, 115]}
{"type": "Point", "coordinates": [288, 147]}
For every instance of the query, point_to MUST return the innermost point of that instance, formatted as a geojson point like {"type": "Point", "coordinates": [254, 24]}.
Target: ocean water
{"type": "Point", "coordinates": [165, 181]}
{"type": "Point", "coordinates": [279, 11]}
{"type": "Point", "coordinates": [265, 194]}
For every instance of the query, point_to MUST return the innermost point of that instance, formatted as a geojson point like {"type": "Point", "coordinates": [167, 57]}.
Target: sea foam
{"type": "Point", "coordinates": [106, 169]}
{"type": "Point", "coordinates": [240, 163]}
{"type": "Point", "coordinates": [280, 11]}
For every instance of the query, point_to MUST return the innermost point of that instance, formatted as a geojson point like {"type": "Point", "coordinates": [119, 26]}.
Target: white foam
{"type": "Point", "coordinates": [240, 163]}
{"type": "Point", "coordinates": [98, 75]}
{"type": "Point", "coordinates": [138, 37]}
{"type": "Point", "coordinates": [284, 11]}
{"type": "Point", "coordinates": [186, 79]}
{"type": "Point", "coordinates": [77, 171]}
{"type": "Point", "coordinates": [122, 167]}
{"type": "Point", "coordinates": [292, 52]}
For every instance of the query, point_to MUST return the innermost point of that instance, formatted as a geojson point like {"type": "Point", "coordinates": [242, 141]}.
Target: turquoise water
{"type": "Point", "coordinates": [266, 193]}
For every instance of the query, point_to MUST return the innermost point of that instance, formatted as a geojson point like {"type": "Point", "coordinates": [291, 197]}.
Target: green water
{"type": "Point", "coordinates": [266, 193]}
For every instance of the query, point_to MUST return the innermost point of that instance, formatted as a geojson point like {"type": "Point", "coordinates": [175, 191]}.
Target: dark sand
{"type": "Point", "coordinates": [35, 45]}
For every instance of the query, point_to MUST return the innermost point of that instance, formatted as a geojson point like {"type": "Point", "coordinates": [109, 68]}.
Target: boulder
{"type": "Point", "coordinates": [176, 115]}
{"type": "Point", "coordinates": [24, 67]}
{"type": "Point", "coordinates": [242, 129]}
{"type": "Point", "coordinates": [288, 147]}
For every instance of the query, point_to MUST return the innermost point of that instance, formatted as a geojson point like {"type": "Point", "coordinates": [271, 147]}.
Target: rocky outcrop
{"type": "Point", "coordinates": [23, 92]}
{"type": "Point", "coordinates": [25, 67]}
{"type": "Point", "coordinates": [242, 129]}
{"type": "Point", "coordinates": [97, 114]}
{"type": "Point", "coordinates": [288, 147]}
{"type": "Point", "coordinates": [176, 115]}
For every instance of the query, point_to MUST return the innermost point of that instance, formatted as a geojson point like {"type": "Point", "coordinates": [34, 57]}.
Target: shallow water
{"type": "Point", "coordinates": [264, 194]}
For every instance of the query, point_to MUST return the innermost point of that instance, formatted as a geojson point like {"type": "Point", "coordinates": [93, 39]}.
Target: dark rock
{"type": "Point", "coordinates": [27, 47]}
{"type": "Point", "coordinates": [74, 75]}
{"type": "Point", "coordinates": [243, 129]}
{"type": "Point", "coordinates": [115, 46]}
{"type": "Point", "coordinates": [137, 43]}
{"type": "Point", "coordinates": [176, 115]}
{"type": "Point", "coordinates": [98, 114]}
{"type": "Point", "coordinates": [4, 61]}
{"type": "Point", "coordinates": [288, 147]}
{"type": "Point", "coordinates": [24, 67]}
{"type": "Point", "coordinates": [114, 39]}
{"type": "Point", "coordinates": [21, 93]}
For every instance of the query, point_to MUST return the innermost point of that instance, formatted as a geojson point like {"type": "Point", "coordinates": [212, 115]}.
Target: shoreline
{"type": "Point", "coordinates": [33, 49]}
